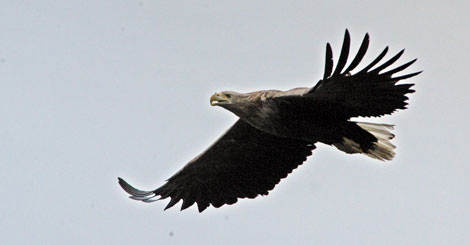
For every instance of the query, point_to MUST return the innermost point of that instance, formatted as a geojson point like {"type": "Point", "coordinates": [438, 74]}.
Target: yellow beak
{"type": "Point", "coordinates": [214, 98]}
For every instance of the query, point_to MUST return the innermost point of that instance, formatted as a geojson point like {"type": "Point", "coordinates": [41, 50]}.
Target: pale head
{"type": "Point", "coordinates": [227, 98]}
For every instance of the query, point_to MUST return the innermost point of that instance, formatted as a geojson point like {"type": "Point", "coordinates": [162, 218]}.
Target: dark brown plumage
{"type": "Point", "coordinates": [277, 131]}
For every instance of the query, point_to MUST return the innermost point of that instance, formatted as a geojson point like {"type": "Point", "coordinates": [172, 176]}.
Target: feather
{"type": "Point", "coordinates": [343, 57]}
{"type": "Point", "coordinates": [328, 62]}
{"type": "Point", "coordinates": [377, 60]}
{"type": "Point", "coordinates": [388, 63]}
{"type": "Point", "coordinates": [360, 54]}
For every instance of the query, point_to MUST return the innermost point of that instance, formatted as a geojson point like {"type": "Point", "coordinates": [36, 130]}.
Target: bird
{"type": "Point", "coordinates": [277, 131]}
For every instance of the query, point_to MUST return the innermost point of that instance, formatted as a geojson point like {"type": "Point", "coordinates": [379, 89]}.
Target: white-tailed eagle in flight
{"type": "Point", "coordinates": [277, 131]}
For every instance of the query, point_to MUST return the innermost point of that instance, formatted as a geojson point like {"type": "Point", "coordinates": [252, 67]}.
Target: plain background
{"type": "Point", "coordinates": [93, 90]}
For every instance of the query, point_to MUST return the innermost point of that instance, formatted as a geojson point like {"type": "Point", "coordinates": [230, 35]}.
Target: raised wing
{"type": "Point", "coordinates": [367, 93]}
{"type": "Point", "coordinates": [244, 163]}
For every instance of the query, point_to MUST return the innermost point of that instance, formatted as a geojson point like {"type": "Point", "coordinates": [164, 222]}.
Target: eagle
{"type": "Point", "coordinates": [277, 131]}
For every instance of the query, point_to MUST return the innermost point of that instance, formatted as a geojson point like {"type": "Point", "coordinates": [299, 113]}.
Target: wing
{"type": "Point", "coordinates": [369, 92]}
{"type": "Point", "coordinates": [243, 163]}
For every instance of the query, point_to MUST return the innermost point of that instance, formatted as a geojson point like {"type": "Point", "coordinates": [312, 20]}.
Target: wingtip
{"type": "Point", "coordinates": [401, 52]}
{"type": "Point", "coordinates": [366, 39]}
{"type": "Point", "coordinates": [121, 182]}
{"type": "Point", "coordinates": [131, 190]}
{"type": "Point", "coordinates": [360, 54]}
{"type": "Point", "coordinates": [328, 61]}
{"type": "Point", "coordinates": [407, 76]}
{"type": "Point", "coordinates": [328, 47]}
{"type": "Point", "coordinates": [343, 56]}
{"type": "Point", "coordinates": [416, 73]}
{"type": "Point", "coordinates": [375, 61]}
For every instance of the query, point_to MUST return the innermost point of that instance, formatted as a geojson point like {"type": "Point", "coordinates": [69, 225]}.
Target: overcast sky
{"type": "Point", "coordinates": [93, 90]}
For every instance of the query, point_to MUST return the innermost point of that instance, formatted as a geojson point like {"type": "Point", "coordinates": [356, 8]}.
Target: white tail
{"type": "Point", "coordinates": [382, 149]}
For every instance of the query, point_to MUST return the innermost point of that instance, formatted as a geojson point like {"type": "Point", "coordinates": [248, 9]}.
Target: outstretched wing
{"type": "Point", "coordinates": [369, 92]}
{"type": "Point", "coordinates": [244, 162]}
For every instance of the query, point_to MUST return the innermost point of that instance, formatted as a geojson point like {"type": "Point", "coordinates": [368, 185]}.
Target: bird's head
{"type": "Point", "coordinates": [226, 98]}
{"type": "Point", "coordinates": [237, 103]}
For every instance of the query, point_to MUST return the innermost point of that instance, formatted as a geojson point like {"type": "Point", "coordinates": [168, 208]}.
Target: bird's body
{"type": "Point", "coordinates": [277, 131]}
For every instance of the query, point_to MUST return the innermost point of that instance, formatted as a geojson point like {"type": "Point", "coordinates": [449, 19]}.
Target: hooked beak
{"type": "Point", "coordinates": [217, 99]}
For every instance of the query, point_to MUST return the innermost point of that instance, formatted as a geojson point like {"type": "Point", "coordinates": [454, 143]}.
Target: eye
{"type": "Point", "coordinates": [228, 96]}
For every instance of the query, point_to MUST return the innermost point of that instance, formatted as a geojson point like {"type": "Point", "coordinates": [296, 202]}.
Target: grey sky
{"type": "Point", "coordinates": [92, 90]}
